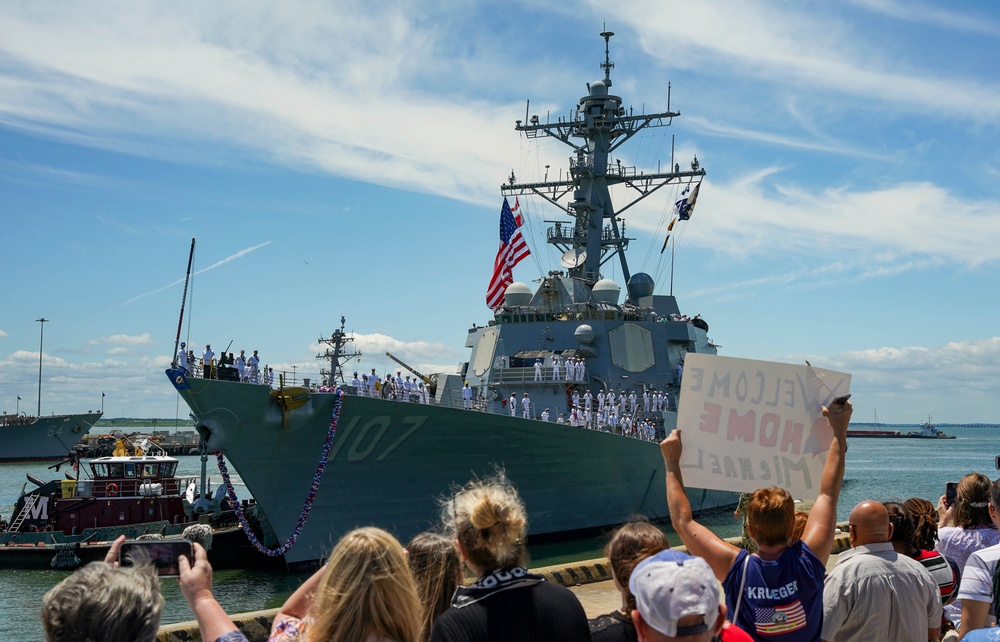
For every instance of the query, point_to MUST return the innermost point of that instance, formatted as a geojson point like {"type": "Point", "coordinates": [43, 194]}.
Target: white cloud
{"type": "Point", "coordinates": [143, 339]}
{"type": "Point", "coordinates": [2, 334]}
{"type": "Point", "coordinates": [930, 14]}
{"type": "Point", "coordinates": [806, 47]}
{"type": "Point", "coordinates": [875, 232]}
{"type": "Point", "coordinates": [939, 374]}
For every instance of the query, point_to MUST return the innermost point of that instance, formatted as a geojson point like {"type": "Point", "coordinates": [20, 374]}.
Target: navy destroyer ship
{"type": "Point", "coordinates": [325, 457]}
{"type": "Point", "coordinates": [24, 438]}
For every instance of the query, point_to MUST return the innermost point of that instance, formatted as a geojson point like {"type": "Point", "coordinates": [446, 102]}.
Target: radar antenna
{"type": "Point", "coordinates": [338, 341]}
{"type": "Point", "coordinates": [607, 65]}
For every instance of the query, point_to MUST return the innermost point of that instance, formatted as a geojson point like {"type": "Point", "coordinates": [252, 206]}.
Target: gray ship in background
{"type": "Point", "coordinates": [388, 459]}
{"type": "Point", "coordinates": [24, 438]}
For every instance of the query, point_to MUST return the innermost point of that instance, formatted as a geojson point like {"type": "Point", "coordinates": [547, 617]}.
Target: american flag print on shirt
{"type": "Point", "coordinates": [776, 620]}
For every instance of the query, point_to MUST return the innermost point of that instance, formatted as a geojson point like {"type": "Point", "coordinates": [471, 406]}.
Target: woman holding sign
{"type": "Point", "coordinates": [777, 591]}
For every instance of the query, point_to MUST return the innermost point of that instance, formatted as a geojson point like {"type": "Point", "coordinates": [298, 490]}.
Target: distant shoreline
{"type": "Point", "coordinates": [132, 422]}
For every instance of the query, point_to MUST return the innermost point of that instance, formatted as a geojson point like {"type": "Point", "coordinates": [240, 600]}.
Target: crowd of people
{"type": "Point", "coordinates": [907, 562]}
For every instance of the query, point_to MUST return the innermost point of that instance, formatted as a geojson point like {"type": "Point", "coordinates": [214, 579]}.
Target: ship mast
{"type": "Point", "coordinates": [338, 341]}
{"type": "Point", "coordinates": [597, 127]}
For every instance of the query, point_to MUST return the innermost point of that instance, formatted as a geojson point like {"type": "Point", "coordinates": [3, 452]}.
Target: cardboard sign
{"type": "Point", "coordinates": [751, 424]}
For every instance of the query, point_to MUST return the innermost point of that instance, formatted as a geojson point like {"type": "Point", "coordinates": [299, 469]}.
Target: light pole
{"type": "Point", "coordinates": [41, 338]}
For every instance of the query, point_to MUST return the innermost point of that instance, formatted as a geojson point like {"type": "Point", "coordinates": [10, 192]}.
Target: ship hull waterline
{"type": "Point", "coordinates": [393, 461]}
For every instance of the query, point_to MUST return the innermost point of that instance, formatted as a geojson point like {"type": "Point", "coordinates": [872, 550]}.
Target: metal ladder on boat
{"type": "Point", "coordinates": [29, 503]}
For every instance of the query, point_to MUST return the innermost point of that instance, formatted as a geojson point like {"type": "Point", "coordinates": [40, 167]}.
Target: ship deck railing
{"type": "Point", "coordinates": [527, 376]}
{"type": "Point", "coordinates": [112, 487]}
{"type": "Point", "coordinates": [520, 375]}
{"type": "Point", "coordinates": [499, 407]}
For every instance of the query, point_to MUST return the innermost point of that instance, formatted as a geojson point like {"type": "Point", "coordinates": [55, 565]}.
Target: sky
{"type": "Point", "coordinates": [345, 158]}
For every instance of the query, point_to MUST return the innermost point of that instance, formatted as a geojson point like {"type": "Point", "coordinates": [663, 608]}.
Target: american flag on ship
{"type": "Point", "coordinates": [513, 248]}
{"type": "Point", "coordinates": [774, 620]}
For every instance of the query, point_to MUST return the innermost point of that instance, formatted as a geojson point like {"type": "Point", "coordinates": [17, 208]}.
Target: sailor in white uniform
{"type": "Point", "coordinates": [645, 400]}
{"type": "Point", "coordinates": [526, 405]}
{"type": "Point", "coordinates": [356, 384]}
{"type": "Point", "coordinates": [581, 370]}
{"type": "Point", "coordinates": [545, 415]}
{"type": "Point", "coordinates": [570, 370]}
{"type": "Point", "coordinates": [182, 358]}
{"type": "Point", "coordinates": [513, 404]}
{"type": "Point", "coordinates": [538, 369]}
{"type": "Point", "coordinates": [555, 368]}
{"type": "Point", "coordinates": [241, 365]}
{"type": "Point", "coordinates": [467, 396]}
{"type": "Point", "coordinates": [253, 363]}
{"type": "Point", "coordinates": [631, 402]}
{"type": "Point", "coordinates": [600, 400]}
{"type": "Point", "coordinates": [372, 380]}
{"type": "Point", "coordinates": [588, 400]}
{"type": "Point", "coordinates": [206, 359]}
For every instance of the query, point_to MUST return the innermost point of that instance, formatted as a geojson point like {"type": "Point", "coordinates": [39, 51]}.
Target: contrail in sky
{"type": "Point", "coordinates": [231, 257]}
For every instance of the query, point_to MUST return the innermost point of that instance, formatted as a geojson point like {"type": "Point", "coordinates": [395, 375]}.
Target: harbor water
{"type": "Point", "coordinates": [876, 469]}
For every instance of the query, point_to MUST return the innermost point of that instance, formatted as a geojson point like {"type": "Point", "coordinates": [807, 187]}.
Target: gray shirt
{"type": "Point", "coordinates": [877, 594]}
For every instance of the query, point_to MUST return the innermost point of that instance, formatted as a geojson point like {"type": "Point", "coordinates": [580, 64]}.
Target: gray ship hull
{"type": "Point", "coordinates": [50, 437]}
{"type": "Point", "coordinates": [392, 461]}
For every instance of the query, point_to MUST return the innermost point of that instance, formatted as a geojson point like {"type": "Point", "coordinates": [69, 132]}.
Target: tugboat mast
{"type": "Point", "coordinates": [602, 125]}
{"type": "Point", "coordinates": [338, 341]}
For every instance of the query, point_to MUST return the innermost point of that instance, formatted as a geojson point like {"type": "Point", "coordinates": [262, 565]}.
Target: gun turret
{"type": "Point", "coordinates": [427, 380]}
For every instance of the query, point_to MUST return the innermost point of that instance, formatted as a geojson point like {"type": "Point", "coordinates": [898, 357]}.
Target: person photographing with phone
{"type": "Point", "coordinates": [965, 527]}
{"type": "Point", "coordinates": [105, 601]}
{"type": "Point", "coordinates": [196, 586]}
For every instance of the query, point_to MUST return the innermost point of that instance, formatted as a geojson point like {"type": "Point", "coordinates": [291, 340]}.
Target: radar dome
{"type": "Point", "coordinates": [640, 285]}
{"type": "Point", "coordinates": [598, 89]}
{"type": "Point", "coordinates": [517, 294]}
{"type": "Point", "coordinates": [606, 291]}
{"type": "Point", "coordinates": [584, 334]}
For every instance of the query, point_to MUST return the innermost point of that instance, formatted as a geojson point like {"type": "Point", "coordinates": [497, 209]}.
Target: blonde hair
{"type": "Point", "coordinates": [437, 572]}
{"type": "Point", "coordinates": [367, 590]}
{"type": "Point", "coordinates": [489, 519]}
{"type": "Point", "coordinates": [102, 602]}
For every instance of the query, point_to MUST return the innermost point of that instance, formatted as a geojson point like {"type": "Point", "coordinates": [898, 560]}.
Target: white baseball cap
{"type": "Point", "coordinates": [671, 585]}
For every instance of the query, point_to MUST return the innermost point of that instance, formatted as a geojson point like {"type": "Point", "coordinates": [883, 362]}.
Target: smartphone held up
{"type": "Point", "coordinates": [163, 555]}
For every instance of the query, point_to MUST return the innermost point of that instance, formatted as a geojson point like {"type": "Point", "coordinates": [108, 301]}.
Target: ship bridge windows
{"type": "Point", "coordinates": [150, 470]}
{"type": "Point", "coordinates": [167, 468]}
{"type": "Point", "coordinates": [130, 469]}
{"type": "Point", "coordinates": [116, 470]}
{"type": "Point", "coordinates": [99, 470]}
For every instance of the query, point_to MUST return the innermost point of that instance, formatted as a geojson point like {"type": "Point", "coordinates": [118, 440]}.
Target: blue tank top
{"type": "Point", "coordinates": [782, 598]}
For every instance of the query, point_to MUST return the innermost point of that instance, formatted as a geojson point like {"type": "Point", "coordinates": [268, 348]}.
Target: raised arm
{"type": "Point", "coordinates": [298, 603]}
{"type": "Point", "coordinates": [819, 531]}
{"type": "Point", "coordinates": [196, 585]}
{"type": "Point", "coordinates": [700, 541]}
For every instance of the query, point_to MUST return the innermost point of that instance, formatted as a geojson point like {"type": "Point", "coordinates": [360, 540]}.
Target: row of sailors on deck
{"type": "Point", "coordinates": [576, 369]}
{"type": "Point", "coordinates": [607, 417]}
{"type": "Point", "coordinates": [248, 368]}
{"type": "Point", "coordinates": [370, 385]}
